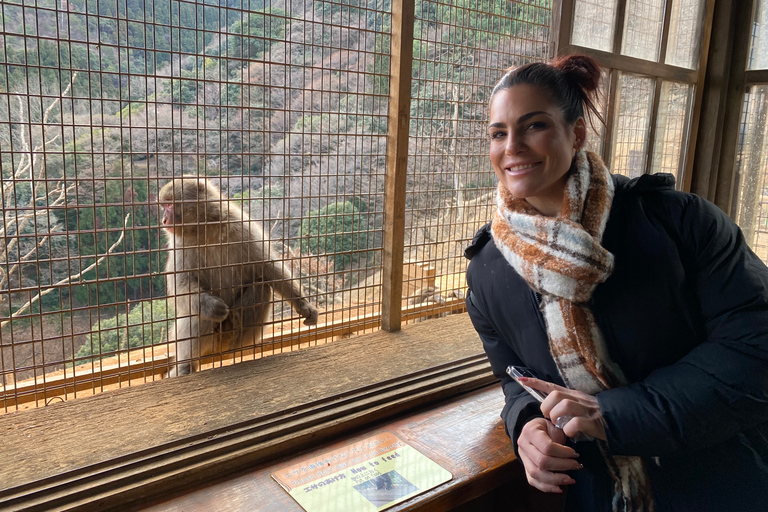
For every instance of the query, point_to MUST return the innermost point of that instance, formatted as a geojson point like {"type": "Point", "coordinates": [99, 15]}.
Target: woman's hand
{"type": "Point", "coordinates": [561, 402]}
{"type": "Point", "coordinates": [545, 457]}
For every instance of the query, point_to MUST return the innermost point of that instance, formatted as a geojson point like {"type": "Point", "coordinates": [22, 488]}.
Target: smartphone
{"type": "Point", "coordinates": [519, 371]}
{"type": "Point", "coordinates": [560, 421]}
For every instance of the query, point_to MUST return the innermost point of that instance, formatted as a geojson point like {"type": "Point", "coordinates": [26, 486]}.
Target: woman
{"type": "Point", "coordinates": [640, 310]}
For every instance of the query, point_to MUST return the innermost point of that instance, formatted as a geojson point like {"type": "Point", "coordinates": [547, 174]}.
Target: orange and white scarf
{"type": "Point", "coordinates": [562, 259]}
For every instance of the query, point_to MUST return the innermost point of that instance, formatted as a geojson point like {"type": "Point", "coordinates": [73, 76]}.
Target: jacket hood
{"type": "Point", "coordinates": [644, 183]}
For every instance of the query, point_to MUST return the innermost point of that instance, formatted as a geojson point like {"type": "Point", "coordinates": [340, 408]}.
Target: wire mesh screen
{"type": "Point", "coordinates": [461, 50]}
{"type": "Point", "coordinates": [642, 29]}
{"type": "Point", "coordinates": [594, 24]}
{"type": "Point", "coordinates": [758, 54]}
{"type": "Point", "coordinates": [632, 124]}
{"type": "Point", "coordinates": [684, 42]}
{"type": "Point", "coordinates": [596, 126]}
{"type": "Point", "coordinates": [672, 122]}
{"type": "Point", "coordinates": [752, 171]}
{"type": "Point", "coordinates": [281, 107]}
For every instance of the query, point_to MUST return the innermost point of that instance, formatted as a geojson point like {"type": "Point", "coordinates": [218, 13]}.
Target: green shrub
{"type": "Point", "coordinates": [146, 324]}
{"type": "Point", "coordinates": [337, 230]}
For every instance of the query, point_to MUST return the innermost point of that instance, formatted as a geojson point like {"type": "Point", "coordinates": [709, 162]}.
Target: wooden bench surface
{"type": "Point", "coordinates": [464, 435]}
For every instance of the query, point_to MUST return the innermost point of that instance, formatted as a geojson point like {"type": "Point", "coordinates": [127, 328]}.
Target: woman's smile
{"type": "Point", "coordinates": [520, 169]}
{"type": "Point", "coordinates": [532, 146]}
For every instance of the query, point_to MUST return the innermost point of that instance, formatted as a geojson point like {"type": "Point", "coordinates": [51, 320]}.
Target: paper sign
{"type": "Point", "coordinates": [373, 474]}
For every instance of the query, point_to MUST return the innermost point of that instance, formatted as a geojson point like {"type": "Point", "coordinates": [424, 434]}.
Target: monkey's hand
{"type": "Point", "coordinates": [308, 311]}
{"type": "Point", "coordinates": [213, 308]}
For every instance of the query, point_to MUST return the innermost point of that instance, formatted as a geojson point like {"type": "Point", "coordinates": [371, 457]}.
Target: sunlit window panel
{"type": "Point", "coordinates": [593, 25]}
{"type": "Point", "coordinates": [752, 171]}
{"type": "Point", "coordinates": [684, 42]}
{"type": "Point", "coordinates": [642, 29]}
{"type": "Point", "coordinates": [632, 125]}
{"type": "Point", "coordinates": [758, 55]}
{"type": "Point", "coordinates": [461, 49]}
{"type": "Point", "coordinates": [595, 128]}
{"type": "Point", "coordinates": [672, 124]}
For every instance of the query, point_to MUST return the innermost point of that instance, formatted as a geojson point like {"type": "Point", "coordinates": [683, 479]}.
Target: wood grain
{"type": "Point", "coordinates": [464, 435]}
{"type": "Point", "coordinates": [122, 446]}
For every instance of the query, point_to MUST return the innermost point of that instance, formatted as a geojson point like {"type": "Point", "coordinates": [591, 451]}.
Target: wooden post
{"type": "Point", "coordinates": [401, 59]}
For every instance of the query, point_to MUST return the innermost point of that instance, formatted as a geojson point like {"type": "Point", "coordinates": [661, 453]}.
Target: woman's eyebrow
{"type": "Point", "coordinates": [521, 119]}
{"type": "Point", "coordinates": [529, 115]}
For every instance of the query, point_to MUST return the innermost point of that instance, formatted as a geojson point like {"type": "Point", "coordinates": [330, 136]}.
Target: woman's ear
{"type": "Point", "coordinates": [580, 132]}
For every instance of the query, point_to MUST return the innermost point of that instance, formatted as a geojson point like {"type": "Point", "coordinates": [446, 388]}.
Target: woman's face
{"type": "Point", "coordinates": [532, 147]}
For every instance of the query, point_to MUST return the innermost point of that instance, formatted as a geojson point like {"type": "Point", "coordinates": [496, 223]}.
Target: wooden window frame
{"type": "Point", "coordinates": [659, 71]}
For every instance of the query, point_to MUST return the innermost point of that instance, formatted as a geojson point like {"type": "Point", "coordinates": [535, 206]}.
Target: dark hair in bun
{"type": "Point", "coordinates": [572, 81]}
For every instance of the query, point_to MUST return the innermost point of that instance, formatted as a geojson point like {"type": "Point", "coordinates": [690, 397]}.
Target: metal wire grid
{"type": "Point", "coordinates": [642, 29]}
{"type": "Point", "coordinates": [631, 125]}
{"type": "Point", "coordinates": [672, 122]}
{"type": "Point", "coordinates": [752, 170]}
{"type": "Point", "coordinates": [114, 134]}
{"type": "Point", "coordinates": [451, 184]}
{"type": "Point", "coordinates": [594, 23]}
{"type": "Point", "coordinates": [595, 128]}
{"type": "Point", "coordinates": [684, 42]}
{"type": "Point", "coordinates": [758, 55]}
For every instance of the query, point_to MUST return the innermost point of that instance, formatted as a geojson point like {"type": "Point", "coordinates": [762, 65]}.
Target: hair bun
{"type": "Point", "coordinates": [581, 70]}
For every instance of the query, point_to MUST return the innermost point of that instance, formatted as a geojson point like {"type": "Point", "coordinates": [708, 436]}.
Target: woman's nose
{"type": "Point", "coordinates": [514, 144]}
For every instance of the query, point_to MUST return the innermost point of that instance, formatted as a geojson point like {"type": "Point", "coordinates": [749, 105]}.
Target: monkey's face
{"type": "Point", "coordinates": [185, 202]}
{"type": "Point", "coordinates": [168, 220]}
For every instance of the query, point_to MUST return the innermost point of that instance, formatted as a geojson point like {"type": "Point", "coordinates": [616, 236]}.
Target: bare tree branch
{"type": "Point", "coordinates": [73, 278]}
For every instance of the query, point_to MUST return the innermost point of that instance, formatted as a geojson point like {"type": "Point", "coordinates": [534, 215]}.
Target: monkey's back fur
{"type": "Point", "coordinates": [221, 271]}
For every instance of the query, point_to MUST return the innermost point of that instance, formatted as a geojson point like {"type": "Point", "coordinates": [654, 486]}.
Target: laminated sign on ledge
{"type": "Point", "coordinates": [370, 475]}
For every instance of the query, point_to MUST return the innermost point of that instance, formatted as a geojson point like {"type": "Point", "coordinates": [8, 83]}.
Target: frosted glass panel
{"type": "Point", "coordinates": [672, 128]}
{"type": "Point", "coordinates": [596, 129]}
{"type": "Point", "coordinates": [684, 43]}
{"type": "Point", "coordinates": [593, 24]}
{"type": "Point", "coordinates": [642, 29]}
{"type": "Point", "coordinates": [630, 146]}
{"type": "Point", "coordinates": [752, 171]}
{"type": "Point", "coordinates": [758, 57]}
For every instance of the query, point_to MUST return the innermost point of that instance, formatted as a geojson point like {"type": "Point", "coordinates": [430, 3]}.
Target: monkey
{"type": "Point", "coordinates": [426, 294]}
{"type": "Point", "coordinates": [220, 273]}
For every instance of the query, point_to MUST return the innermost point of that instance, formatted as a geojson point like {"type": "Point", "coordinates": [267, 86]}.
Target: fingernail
{"type": "Point", "coordinates": [580, 466]}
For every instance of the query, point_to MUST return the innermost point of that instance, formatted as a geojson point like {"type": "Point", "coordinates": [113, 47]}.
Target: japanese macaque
{"type": "Point", "coordinates": [221, 271]}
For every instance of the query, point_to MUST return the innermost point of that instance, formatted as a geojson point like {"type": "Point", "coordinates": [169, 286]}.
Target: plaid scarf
{"type": "Point", "coordinates": [562, 259]}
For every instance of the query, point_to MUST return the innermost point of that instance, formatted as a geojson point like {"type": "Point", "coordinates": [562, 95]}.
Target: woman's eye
{"type": "Point", "coordinates": [498, 135]}
{"type": "Point", "coordinates": [538, 125]}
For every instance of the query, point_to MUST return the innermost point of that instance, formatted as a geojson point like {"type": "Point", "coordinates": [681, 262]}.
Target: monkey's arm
{"type": "Point", "coordinates": [279, 276]}
{"type": "Point", "coordinates": [191, 299]}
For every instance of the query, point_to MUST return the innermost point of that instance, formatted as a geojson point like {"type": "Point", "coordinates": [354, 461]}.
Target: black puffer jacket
{"type": "Point", "coordinates": [685, 316]}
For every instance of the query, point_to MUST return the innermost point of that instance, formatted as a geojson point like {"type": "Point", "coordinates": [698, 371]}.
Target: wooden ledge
{"type": "Point", "coordinates": [464, 435]}
{"type": "Point", "coordinates": [122, 448]}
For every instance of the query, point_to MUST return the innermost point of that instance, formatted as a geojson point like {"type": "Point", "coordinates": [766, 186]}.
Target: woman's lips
{"type": "Point", "coordinates": [516, 170]}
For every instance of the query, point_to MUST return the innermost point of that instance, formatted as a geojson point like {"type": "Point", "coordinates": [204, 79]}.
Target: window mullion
{"type": "Point", "coordinates": [618, 35]}
{"type": "Point", "coordinates": [651, 148]}
{"type": "Point", "coordinates": [564, 26]}
{"type": "Point", "coordinates": [665, 32]}
{"type": "Point", "coordinates": [401, 51]}
{"type": "Point", "coordinates": [614, 93]}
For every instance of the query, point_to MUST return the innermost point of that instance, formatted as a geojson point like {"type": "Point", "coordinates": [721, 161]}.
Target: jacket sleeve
{"type": "Point", "coordinates": [720, 388]}
{"type": "Point", "coordinates": [519, 406]}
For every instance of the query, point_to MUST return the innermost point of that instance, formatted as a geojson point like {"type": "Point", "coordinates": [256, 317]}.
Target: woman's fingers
{"type": "Point", "coordinates": [583, 409]}
{"type": "Point", "coordinates": [545, 459]}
